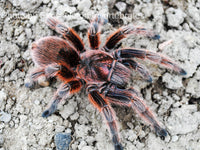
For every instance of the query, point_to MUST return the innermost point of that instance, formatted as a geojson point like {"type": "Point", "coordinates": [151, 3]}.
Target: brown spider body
{"type": "Point", "coordinates": [104, 74]}
{"type": "Point", "coordinates": [95, 66]}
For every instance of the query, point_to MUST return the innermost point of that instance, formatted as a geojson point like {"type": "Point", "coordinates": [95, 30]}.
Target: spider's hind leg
{"type": "Point", "coordinates": [65, 91]}
{"type": "Point", "coordinates": [131, 98]}
{"type": "Point", "coordinates": [108, 113]}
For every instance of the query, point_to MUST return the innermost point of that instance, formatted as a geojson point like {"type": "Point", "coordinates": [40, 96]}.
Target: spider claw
{"type": "Point", "coordinates": [160, 131]}
{"type": "Point", "coordinates": [51, 109]}
{"type": "Point", "coordinates": [46, 113]}
{"type": "Point", "coordinates": [118, 147]}
{"type": "Point", "coordinates": [150, 79]}
{"type": "Point", "coordinates": [30, 85]}
{"type": "Point", "coordinates": [156, 37]}
{"type": "Point", "coordinates": [182, 72]}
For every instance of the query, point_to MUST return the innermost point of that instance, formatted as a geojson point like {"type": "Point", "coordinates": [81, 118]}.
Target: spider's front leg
{"type": "Point", "coordinates": [145, 54]}
{"type": "Point", "coordinates": [122, 32]}
{"type": "Point", "coordinates": [65, 91]}
{"type": "Point", "coordinates": [35, 76]}
{"type": "Point", "coordinates": [107, 112]}
{"type": "Point", "coordinates": [131, 98]}
{"type": "Point", "coordinates": [94, 31]}
{"type": "Point", "coordinates": [67, 32]}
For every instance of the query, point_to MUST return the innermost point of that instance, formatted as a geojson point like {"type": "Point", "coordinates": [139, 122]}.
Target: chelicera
{"type": "Point", "coordinates": [104, 72]}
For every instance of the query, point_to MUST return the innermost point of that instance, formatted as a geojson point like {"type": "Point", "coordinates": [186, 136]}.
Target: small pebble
{"type": "Point", "coordinates": [175, 17]}
{"type": "Point", "coordinates": [1, 140]}
{"type": "Point", "coordinates": [3, 95]}
{"type": "Point", "coordinates": [82, 144]}
{"type": "Point", "coordinates": [37, 102]}
{"type": "Point", "coordinates": [5, 117]}
{"type": "Point", "coordinates": [174, 138]}
{"type": "Point", "coordinates": [87, 148]}
{"type": "Point", "coordinates": [84, 5]}
{"type": "Point", "coordinates": [74, 116]}
{"type": "Point", "coordinates": [33, 19]}
{"type": "Point", "coordinates": [59, 128]}
{"type": "Point", "coordinates": [121, 6]}
{"type": "Point", "coordinates": [157, 96]}
{"type": "Point", "coordinates": [62, 141]}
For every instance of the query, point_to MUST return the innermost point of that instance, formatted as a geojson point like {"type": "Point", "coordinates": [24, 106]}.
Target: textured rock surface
{"type": "Point", "coordinates": [174, 99]}
{"type": "Point", "coordinates": [62, 141]}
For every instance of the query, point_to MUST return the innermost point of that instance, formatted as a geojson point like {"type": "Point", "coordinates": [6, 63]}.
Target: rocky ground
{"type": "Point", "coordinates": [174, 98]}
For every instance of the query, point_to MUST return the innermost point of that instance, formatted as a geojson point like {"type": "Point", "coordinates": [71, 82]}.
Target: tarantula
{"type": "Point", "coordinates": [103, 74]}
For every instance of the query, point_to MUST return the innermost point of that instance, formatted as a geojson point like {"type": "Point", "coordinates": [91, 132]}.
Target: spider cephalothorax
{"type": "Point", "coordinates": [104, 74]}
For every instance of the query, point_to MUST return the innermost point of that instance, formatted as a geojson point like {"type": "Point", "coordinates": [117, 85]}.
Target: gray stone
{"type": "Point", "coordinates": [175, 17]}
{"type": "Point", "coordinates": [68, 109]}
{"type": "Point", "coordinates": [1, 140]}
{"type": "Point", "coordinates": [183, 120]}
{"type": "Point", "coordinates": [62, 141]}
{"type": "Point", "coordinates": [121, 6]}
{"type": "Point", "coordinates": [5, 117]}
{"type": "Point", "coordinates": [84, 5]}
{"type": "Point", "coordinates": [87, 148]}
{"type": "Point", "coordinates": [172, 81]}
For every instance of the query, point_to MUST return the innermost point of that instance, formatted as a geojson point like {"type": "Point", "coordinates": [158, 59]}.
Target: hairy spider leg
{"type": "Point", "coordinates": [34, 76]}
{"type": "Point", "coordinates": [94, 31]}
{"type": "Point", "coordinates": [145, 54]}
{"type": "Point", "coordinates": [67, 32]}
{"type": "Point", "coordinates": [108, 114]}
{"type": "Point", "coordinates": [122, 33]}
{"type": "Point", "coordinates": [64, 92]}
{"type": "Point", "coordinates": [130, 98]}
{"type": "Point", "coordinates": [131, 63]}
{"type": "Point", "coordinates": [50, 71]}
{"type": "Point", "coordinates": [119, 74]}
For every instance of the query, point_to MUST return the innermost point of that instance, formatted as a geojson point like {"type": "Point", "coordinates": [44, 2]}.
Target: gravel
{"type": "Point", "coordinates": [121, 6]}
{"type": "Point", "coordinates": [62, 141]}
{"type": "Point", "coordinates": [173, 98]}
{"type": "Point", "coordinates": [5, 117]}
{"type": "Point", "coordinates": [175, 17]}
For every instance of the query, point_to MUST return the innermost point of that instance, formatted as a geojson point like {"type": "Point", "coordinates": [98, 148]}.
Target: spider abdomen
{"type": "Point", "coordinates": [53, 49]}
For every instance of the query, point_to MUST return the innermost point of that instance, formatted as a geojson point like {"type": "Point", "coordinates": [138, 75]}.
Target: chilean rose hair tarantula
{"type": "Point", "coordinates": [104, 72]}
